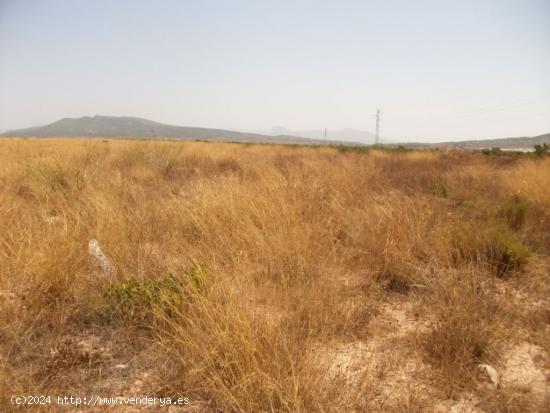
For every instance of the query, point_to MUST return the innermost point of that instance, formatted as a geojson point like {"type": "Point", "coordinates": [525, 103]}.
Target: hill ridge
{"type": "Point", "coordinates": [102, 126]}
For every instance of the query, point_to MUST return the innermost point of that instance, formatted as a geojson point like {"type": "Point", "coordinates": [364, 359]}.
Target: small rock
{"type": "Point", "coordinates": [103, 262]}
{"type": "Point", "coordinates": [488, 373]}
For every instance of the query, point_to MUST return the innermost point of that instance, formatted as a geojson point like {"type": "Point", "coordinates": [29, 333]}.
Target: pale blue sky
{"type": "Point", "coordinates": [439, 70]}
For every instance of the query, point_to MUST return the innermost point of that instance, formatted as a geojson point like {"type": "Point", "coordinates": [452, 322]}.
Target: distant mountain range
{"type": "Point", "coordinates": [136, 128]}
{"type": "Point", "coordinates": [504, 143]}
{"type": "Point", "coordinates": [521, 143]}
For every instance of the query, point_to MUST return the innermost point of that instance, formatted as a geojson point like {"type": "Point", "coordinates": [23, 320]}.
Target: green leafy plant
{"type": "Point", "coordinates": [437, 190]}
{"type": "Point", "coordinates": [515, 212]}
{"type": "Point", "coordinates": [166, 160]}
{"type": "Point", "coordinates": [492, 151]}
{"type": "Point", "coordinates": [138, 299]}
{"type": "Point", "coordinates": [495, 244]}
{"type": "Point", "coordinates": [507, 251]}
{"type": "Point", "coordinates": [142, 299]}
{"type": "Point", "coordinates": [542, 149]}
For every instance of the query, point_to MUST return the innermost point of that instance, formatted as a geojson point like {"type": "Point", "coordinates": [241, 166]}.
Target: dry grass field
{"type": "Point", "coordinates": [262, 278]}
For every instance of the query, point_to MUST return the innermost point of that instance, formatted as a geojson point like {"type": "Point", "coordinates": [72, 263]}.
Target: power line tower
{"type": "Point", "coordinates": [377, 135]}
{"type": "Point", "coordinates": [325, 139]}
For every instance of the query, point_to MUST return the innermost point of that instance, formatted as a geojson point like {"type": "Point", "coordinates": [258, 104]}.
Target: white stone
{"type": "Point", "coordinates": [490, 373]}
{"type": "Point", "coordinates": [95, 250]}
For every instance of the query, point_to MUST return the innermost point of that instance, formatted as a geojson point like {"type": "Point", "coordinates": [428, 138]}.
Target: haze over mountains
{"type": "Point", "coordinates": [137, 128]}
{"type": "Point", "coordinates": [131, 127]}
{"type": "Point", "coordinates": [503, 143]}
{"type": "Point", "coordinates": [351, 135]}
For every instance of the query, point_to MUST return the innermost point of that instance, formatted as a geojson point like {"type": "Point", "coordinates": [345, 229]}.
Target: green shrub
{"type": "Point", "coordinates": [166, 160]}
{"type": "Point", "coordinates": [198, 279]}
{"type": "Point", "coordinates": [437, 190]}
{"type": "Point", "coordinates": [136, 299]}
{"type": "Point", "coordinates": [507, 252]}
{"type": "Point", "coordinates": [466, 244]}
{"type": "Point", "coordinates": [542, 149]}
{"type": "Point", "coordinates": [492, 151]}
{"type": "Point", "coordinates": [143, 299]}
{"type": "Point", "coordinates": [352, 148]}
{"type": "Point", "coordinates": [494, 244]}
{"type": "Point", "coordinates": [515, 212]}
{"type": "Point", "coordinates": [398, 148]}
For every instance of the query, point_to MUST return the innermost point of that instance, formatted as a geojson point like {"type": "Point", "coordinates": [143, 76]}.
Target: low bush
{"type": "Point", "coordinates": [136, 299]}
{"type": "Point", "coordinates": [492, 151]}
{"type": "Point", "coordinates": [542, 149]}
{"type": "Point", "coordinates": [493, 244]}
{"type": "Point", "coordinates": [144, 299]}
{"type": "Point", "coordinates": [437, 190]}
{"type": "Point", "coordinates": [507, 253]}
{"type": "Point", "coordinates": [165, 160]}
{"type": "Point", "coordinates": [514, 212]}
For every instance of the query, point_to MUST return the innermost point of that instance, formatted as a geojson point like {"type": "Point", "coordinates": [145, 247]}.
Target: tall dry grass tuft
{"type": "Point", "coordinates": [470, 322]}
{"type": "Point", "coordinates": [238, 361]}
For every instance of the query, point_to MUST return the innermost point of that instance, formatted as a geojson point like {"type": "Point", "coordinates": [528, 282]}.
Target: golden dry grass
{"type": "Point", "coordinates": [272, 278]}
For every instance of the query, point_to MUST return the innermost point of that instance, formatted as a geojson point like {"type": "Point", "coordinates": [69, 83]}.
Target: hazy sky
{"type": "Point", "coordinates": [438, 69]}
